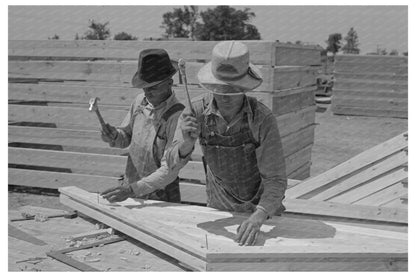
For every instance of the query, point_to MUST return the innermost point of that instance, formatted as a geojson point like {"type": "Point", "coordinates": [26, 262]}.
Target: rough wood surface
{"type": "Point", "coordinates": [296, 238]}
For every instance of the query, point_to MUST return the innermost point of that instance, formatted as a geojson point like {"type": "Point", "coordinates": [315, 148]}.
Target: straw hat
{"type": "Point", "coordinates": [230, 70]}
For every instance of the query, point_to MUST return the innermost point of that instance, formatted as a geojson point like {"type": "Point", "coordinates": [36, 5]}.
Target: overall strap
{"type": "Point", "coordinates": [172, 110]}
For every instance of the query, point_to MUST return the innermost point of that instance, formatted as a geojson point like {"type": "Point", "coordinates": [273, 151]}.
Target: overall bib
{"type": "Point", "coordinates": [144, 159]}
{"type": "Point", "coordinates": [232, 160]}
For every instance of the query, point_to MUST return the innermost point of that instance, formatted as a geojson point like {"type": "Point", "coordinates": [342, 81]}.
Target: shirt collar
{"type": "Point", "coordinates": [162, 107]}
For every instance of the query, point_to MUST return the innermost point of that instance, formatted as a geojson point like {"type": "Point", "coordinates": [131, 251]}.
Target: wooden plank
{"type": "Point", "coordinates": [332, 209]}
{"type": "Point", "coordinates": [72, 93]}
{"type": "Point", "coordinates": [380, 167]}
{"type": "Point", "coordinates": [399, 203]}
{"type": "Point", "coordinates": [396, 104]}
{"type": "Point", "coordinates": [21, 235]}
{"type": "Point", "coordinates": [372, 76]}
{"type": "Point", "coordinates": [371, 59]}
{"type": "Point", "coordinates": [363, 159]}
{"type": "Point", "coordinates": [56, 136]}
{"type": "Point", "coordinates": [64, 117]}
{"type": "Point", "coordinates": [370, 93]}
{"type": "Point", "coordinates": [290, 103]}
{"type": "Point", "coordinates": [365, 67]}
{"type": "Point", "coordinates": [371, 187]}
{"type": "Point", "coordinates": [159, 236]}
{"type": "Point", "coordinates": [297, 55]}
{"type": "Point", "coordinates": [298, 140]}
{"type": "Point", "coordinates": [296, 238]}
{"type": "Point", "coordinates": [302, 172]}
{"type": "Point", "coordinates": [55, 180]}
{"type": "Point", "coordinates": [294, 121]}
{"type": "Point", "coordinates": [370, 84]}
{"type": "Point", "coordinates": [360, 111]}
{"type": "Point", "coordinates": [95, 164]}
{"type": "Point", "coordinates": [317, 265]}
{"type": "Point", "coordinates": [260, 51]}
{"type": "Point", "coordinates": [71, 262]}
{"type": "Point", "coordinates": [298, 159]}
{"type": "Point", "coordinates": [383, 196]}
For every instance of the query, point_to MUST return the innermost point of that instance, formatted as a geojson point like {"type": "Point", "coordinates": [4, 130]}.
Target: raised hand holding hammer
{"type": "Point", "coordinates": [108, 132]}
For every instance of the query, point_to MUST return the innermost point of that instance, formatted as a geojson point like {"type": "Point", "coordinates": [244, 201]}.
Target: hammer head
{"type": "Point", "coordinates": [93, 104]}
{"type": "Point", "coordinates": [181, 65]}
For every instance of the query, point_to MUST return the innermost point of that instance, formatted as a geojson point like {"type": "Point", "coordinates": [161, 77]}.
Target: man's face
{"type": "Point", "coordinates": [158, 93]}
{"type": "Point", "coordinates": [229, 101]}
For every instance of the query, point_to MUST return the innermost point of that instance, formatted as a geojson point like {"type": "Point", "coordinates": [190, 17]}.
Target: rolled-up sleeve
{"type": "Point", "coordinates": [271, 163]}
{"type": "Point", "coordinates": [174, 161]}
{"type": "Point", "coordinates": [163, 176]}
{"type": "Point", "coordinates": [123, 138]}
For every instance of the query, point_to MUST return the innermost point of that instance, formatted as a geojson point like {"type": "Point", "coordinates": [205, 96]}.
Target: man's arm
{"type": "Point", "coordinates": [162, 176]}
{"type": "Point", "coordinates": [272, 167]}
{"type": "Point", "coordinates": [186, 134]}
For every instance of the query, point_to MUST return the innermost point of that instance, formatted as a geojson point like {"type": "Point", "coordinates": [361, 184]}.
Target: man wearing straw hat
{"type": "Point", "coordinates": [147, 130]}
{"type": "Point", "coordinates": [240, 141]}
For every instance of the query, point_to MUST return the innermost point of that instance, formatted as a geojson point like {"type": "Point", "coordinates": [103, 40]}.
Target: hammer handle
{"type": "Point", "coordinates": [100, 118]}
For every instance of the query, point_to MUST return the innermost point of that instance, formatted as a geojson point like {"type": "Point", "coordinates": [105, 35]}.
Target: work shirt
{"type": "Point", "coordinates": [147, 182]}
{"type": "Point", "coordinates": [269, 152]}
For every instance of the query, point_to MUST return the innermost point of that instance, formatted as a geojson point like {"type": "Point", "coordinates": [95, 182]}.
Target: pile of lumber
{"type": "Point", "coordinates": [371, 86]}
{"type": "Point", "coordinates": [54, 141]}
{"type": "Point", "coordinates": [376, 177]}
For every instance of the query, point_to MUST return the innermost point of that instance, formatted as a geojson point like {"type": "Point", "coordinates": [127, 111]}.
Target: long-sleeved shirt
{"type": "Point", "coordinates": [162, 176]}
{"type": "Point", "coordinates": [269, 153]}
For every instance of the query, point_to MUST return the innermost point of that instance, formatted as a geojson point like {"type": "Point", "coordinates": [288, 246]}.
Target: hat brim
{"type": "Point", "coordinates": [139, 83]}
{"type": "Point", "coordinates": [246, 83]}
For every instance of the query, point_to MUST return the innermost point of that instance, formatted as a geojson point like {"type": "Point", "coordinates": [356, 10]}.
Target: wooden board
{"type": "Point", "coordinates": [378, 94]}
{"type": "Point", "coordinates": [360, 111]}
{"type": "Point", "coordinates": [82, 163]}
{"type": "Point", "coordinates": [372, 59]}
{"type": "Point", "coordinates": [372, 76]}
{"type": "Point", "coordinates": [276, 78]}
{"type": "Point", "coordinates": [363, 159]}
{"type": "Point", "coordinates": [342, 83]}
{"type": "Point", "coordinates": [261, 52]}
{"type": "Point", "coordinates": [294, 241]}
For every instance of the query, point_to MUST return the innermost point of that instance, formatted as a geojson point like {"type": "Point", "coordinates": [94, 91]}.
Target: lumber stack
{"type": "Point", "coordinates": [376, 177]}
{"type": "Point", "coordinates": [54, 141]}
{"type": "Point", "coordinates": [202, 238]}
{"type": "Point", "coordinates": [371, 86]}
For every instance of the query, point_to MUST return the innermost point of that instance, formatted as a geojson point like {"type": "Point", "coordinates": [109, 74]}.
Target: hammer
{"type": "Point", "coordinates": [181, 65]}
{"type": "Point", "coordinates": [94, 107]}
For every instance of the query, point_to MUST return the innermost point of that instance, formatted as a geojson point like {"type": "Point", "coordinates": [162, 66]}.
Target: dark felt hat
{"type": "Point", "coordinates": [154, 67]}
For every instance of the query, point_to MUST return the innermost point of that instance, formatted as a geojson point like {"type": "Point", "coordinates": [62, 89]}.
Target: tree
{"type": "Point", "coordinates": [99, 31]}
{"type": "Point", "coordinates": [77, 37]}
{"type": "Point", "coordinates": [226, 23]}
{"type": "Point", "coordinates": [124, 36]}
{"type": "Point", "coordinates": [405, 53]}
{"type": "Point", "coordinates": [55, 36]}
{"type": "Point", "coordinates": [181, 23]}
{"type": "Point", "coordinates": [334, 43]}
{"type": "Point", "coordinates": [394, 52]}
{"type": "Point", "coordinates": [351, 45]}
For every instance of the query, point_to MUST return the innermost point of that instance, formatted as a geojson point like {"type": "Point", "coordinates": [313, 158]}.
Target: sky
{"type": "Point", "coordinates": [385, 27]}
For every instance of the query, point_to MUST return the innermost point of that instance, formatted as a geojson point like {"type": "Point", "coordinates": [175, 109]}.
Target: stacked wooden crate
{"type": "Point", "coordinates": [371, 86]}
{"type": "Point", "coordinates": [54, 141]}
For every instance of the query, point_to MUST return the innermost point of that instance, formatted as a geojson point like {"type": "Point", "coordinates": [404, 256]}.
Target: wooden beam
{"type": "Point", "coordinates": [379, 168]}
{"type": "Point", "coordinates": [83, 163]}
{"type": "Point", "coordinates": [346, 110]}
{"type": "Point", "coordinates": [371, 187]}
{"type": "Point", "coordinates": [383, 196]}
{"type": "Point", "coordinates": [356, 163]}
{"type": "Point", "coordinates": [332, 209]}
{"type": "Point", "coordinates": [178, 245]}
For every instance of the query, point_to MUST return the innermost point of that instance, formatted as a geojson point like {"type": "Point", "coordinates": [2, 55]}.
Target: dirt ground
{"type": "Point", "coordinates": [337, 138]}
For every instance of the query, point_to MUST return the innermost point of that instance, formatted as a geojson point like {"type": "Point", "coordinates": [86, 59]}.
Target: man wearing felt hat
{"type": "Point", "coordinates": [147, 130]}
{"type": "Point", "coordinates": [240, 141]}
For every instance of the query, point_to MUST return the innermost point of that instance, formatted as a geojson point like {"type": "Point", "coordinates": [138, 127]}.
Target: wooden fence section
{"type": "Point", "coordinates": [371, 86]}
{"type": "Point", "coordinates": [203, 238]}
{"type": "Point", "coordinates": [53, 139]}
